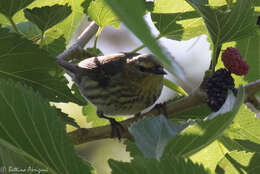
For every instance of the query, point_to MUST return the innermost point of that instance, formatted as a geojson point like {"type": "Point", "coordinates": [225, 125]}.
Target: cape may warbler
{"type": "Point", "coordinates": [118, 84]}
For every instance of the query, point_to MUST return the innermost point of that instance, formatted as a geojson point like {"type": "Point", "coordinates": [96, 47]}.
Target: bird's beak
{"type": "Point", "coordinates": [159, 70]}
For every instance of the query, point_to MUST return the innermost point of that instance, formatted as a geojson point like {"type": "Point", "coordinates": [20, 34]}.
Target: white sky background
{"type": "Point", "coordinates": [193, 55]}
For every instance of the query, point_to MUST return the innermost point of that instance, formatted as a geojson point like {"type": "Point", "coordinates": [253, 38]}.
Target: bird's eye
{"type": "Point", "coordinates": [141, 68]}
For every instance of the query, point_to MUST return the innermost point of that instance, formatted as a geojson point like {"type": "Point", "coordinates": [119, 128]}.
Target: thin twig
{"type": "Point", "coordinates": [77, 49]}
{"type": "Point", "coordinates": [84, 135]}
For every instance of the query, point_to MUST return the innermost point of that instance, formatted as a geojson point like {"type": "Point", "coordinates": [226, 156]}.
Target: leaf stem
{"type": "Point", "coordinates": [42, 39]}
{"type": "Point", "coordinates": [142, 46]}
{"type": "Point", "coordinates": [95, 43]}
{"type": "Point", "coordinates": [13, 25]}
{"type": "Point", "coordinates": [215, 55]}
{"type": "Point", "coordinates": [169, 84]}
{"type": "Point", "coordinates": [221, 148]}
{"type": "Point", "coordinates": [97, 36]}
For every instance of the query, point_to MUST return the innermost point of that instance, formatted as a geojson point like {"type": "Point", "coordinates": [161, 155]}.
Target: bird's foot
{"type": "Point", "coordinates": [116, 127]}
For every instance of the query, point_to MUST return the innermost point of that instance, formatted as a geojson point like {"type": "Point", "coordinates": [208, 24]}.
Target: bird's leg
{"type": "Point", "coordinates": [161, 107]}
{"type": "Point", "coordinates": [115, 126]}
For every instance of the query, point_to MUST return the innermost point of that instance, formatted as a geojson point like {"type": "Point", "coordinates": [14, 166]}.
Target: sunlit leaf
{"type": "Point", "coordinates": [176, 19]}
{"type": "Point", "coordinates": [239, 162]}
{"type": "Point", "coordinates": [225, 25]}
{"type": "Point", "coordinates": [244, 132]}
{"type": "Point", "coordinates": [101, 13]}
{"type": "Point", "coordinates": [90, 112]}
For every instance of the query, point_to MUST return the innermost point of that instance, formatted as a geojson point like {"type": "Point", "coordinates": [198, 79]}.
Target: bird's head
{"type": "Point", "coordinates": [145, 63]}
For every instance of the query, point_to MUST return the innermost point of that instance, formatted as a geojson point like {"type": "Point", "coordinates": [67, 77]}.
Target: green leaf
{"type": "Point", "coordinates": [239, 163]}
{"type": "Point", "coordinates": [66, 27]}
{"type": "Point", "coordinates": [152, 166]}
{"type": "Point", "coordinates": [131, 13]}
{"type": "Point", "coordinates": [169, 84]}
{"type": "Point", "coordinates": [101, 13]}
{"type": "Point", "coordinates": [244, 132]}
{"type": "Point", "coordinates": [10, 7]}
{"type": "Point", "coordinates": [56, 47]}
{"type": "Point", "coordinates": [169, 27]}
{"type": "Point", "coordinates": [198, 136]}
{"type": "Point", "coordinates": [36, 134]}
{"type": "Point", "coordinates": [132, 148]}
{"type": "Point", "coordinates": [198, 112]}
{"type": "Point", "coordinates": [77, 94]}
{"type": "Point", "coordinates": [90, 112]}
{"type": "Point", "coordinates": [249, 49]}
{"type": "Point", "coordinates": [210, 155]}
{"type": "Point", "coordinates": [66, 119]}
{"type": "Point", "coordinates": [177, 20]}
{"type": "Point", "coordinates": [23, 161]}
{"type": "Point", "coordinates": [171, 6]}
{"type": "Point", "coordinates": [149, 6]}
{"type": "Point", "coordinates": [152, 134]}
{"type": "Point", "coordinates": [92, 52]}
{"type": "Point", "coordinates": [91, 116]}
{"type": "Point", "coordinates": [47, 16]}
{"type": "Point", "coordinates": [28, 29]}
{"type": "Point", "coordinates": [23, 61]}
{"type": "Point", "coordinates": [85, 4]}
{"type": "Point", "coordinates": [256, 2]}
{"type": "Point", "coordinates": [225, 25]}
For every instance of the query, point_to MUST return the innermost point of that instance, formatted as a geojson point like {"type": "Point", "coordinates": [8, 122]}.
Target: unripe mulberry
{"type": "Point", "coordinates": [234, 62]}
{"type": "Point", "coordinates": [217, 88]}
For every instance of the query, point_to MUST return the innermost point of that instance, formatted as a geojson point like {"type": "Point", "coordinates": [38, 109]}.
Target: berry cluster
{"type": "Point", "coordinates": [217, 88]}
{"type": "Point", "coordinates": [234, 62]}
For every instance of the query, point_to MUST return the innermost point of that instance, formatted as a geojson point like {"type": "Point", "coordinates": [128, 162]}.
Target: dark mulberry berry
{"type": "Point", "coordinates": [217, 88]}
{"type": "Point", "coordinates": [234, 62]}
{"type": "Point", "coordinates": [258, 20]}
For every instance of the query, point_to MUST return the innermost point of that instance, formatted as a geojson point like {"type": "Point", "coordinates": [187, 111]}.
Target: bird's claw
{"type": "Point", "coordinates": [116, 128]}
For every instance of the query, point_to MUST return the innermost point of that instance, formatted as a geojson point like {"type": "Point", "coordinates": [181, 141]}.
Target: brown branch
{"type": "Point", "coordinates": [77, 49]}
{"type": "Point", "coordinates": [252, 88]}
{"type": "Point", "coordinates": [84, 135]}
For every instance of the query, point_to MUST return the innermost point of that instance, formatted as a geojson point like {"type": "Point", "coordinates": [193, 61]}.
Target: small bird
{"type": "Point", "coordinates": [118, 84]}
